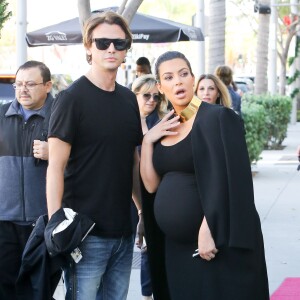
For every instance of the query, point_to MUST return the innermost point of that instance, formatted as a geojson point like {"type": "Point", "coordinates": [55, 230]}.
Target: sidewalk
{"type": "Point", "coordinates": [277, 198]}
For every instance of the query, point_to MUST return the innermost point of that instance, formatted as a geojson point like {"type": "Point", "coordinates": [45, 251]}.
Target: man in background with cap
{"type": "Point", "coordinates": [143, 67]}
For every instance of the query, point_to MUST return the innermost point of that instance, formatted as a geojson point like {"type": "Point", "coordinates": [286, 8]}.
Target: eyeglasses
{"type": "Point", "coordinates": [119, 44]}
{"type": "Point", "coordinates": [27, 85]}
{"type": "Point", "coordinates": [148, 96]}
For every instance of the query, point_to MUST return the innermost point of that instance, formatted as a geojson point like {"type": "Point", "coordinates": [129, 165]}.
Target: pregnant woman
{"type": "Point", "coordinates": [208, 242]}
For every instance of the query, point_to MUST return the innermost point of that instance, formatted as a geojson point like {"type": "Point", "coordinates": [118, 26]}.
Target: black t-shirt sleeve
{"type": "Point", "coordinates": [64, 117]}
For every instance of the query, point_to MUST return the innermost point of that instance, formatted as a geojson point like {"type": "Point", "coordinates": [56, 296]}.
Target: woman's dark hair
{"type": "Point", "coordinates": [169, 55]}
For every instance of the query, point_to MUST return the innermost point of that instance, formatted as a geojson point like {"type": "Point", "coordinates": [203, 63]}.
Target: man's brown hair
{"type": "Point", "coordinates": [108, 17]}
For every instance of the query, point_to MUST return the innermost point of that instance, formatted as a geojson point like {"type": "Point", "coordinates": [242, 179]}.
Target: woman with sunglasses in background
{"type": "Point", "coordinates": [151, 105]}
{"type": "Point", "coordinates": [152, 108]}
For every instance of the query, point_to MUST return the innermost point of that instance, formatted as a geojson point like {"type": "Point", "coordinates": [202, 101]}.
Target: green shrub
{"type": "Point", "coordinates": [254, 117]}
{"type": "Point", "coordinates": [278, 109]}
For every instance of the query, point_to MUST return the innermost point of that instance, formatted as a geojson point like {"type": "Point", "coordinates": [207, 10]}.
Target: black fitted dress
{"type": "Point", "coordinates": [235, 273]}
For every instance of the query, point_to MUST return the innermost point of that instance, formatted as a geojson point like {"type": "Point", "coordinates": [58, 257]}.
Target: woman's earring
{"type": "Point", "coordinates": [124, 61]}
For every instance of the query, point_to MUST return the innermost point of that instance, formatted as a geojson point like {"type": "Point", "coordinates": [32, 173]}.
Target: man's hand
{"type": "Point", "coordinates": [140, 232]}
{"type": "Point", "coordinates": [40, 150]}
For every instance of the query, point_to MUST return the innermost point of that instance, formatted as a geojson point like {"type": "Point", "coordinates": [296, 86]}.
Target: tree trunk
{"type": "Point", "coordinates": [261, 79]}
{"type": "Point", "coordinates": [131, 9]}
{"type": "Point", "coordinates": [122, 7]}
{"type": "Point", "coordinates": [216, 34]}
{"type": "Point", "coordinates": [282, 79]}
{"type": "Point", "coordinates": [84, 11]}
{"type": "Point", "coordinates": [127, 11]}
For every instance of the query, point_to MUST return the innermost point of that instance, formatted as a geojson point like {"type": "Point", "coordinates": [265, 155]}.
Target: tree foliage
{"type": "Point", "coordinates": [4, 15]}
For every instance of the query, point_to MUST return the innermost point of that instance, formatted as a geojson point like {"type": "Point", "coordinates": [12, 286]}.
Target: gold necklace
{"type": "Point", "coordinates": [190, 110]}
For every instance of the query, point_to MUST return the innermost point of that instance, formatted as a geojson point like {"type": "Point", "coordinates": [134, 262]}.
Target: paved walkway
{"type": "Point", "coordinates": [277, 198]}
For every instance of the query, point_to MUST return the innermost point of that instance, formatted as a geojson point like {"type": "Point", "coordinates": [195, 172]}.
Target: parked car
{"type": "Point", "coordinates": [245, 85]}
{"type": "Point", "coordinates": [7, 92]}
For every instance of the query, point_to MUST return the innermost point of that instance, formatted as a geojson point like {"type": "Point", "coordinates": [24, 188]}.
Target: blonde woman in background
{"type": "Point", "coordinates": [211, 89]}
{"type": "Point", "coordinates": [153, 107]}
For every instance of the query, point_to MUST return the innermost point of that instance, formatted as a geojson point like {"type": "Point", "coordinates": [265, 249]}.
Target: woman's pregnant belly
{"type": "Point", "coordinates": [177, 207]}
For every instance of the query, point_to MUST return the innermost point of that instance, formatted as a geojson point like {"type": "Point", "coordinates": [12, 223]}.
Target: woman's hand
{"type": "Point", "coordinates": [149, 176]}
{"type": "Point", "coordinates": [206, 244]}
{"type": "Point", "coordinates": [163, 128]}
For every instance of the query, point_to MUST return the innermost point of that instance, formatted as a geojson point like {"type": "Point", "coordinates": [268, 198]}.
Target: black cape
{"type": "Point", "coordinates": [224, 180]}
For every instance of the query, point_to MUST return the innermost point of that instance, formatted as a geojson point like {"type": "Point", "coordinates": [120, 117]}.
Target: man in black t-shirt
{"type": "Point", "coordinates": [93, 162]}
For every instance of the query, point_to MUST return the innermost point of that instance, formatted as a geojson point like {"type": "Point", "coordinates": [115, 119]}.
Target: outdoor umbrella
{"type": "Point", "coordinates": [144, 28]}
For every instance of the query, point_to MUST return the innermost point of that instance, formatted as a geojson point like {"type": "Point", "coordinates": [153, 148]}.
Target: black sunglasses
{"type": "Point", "coordinates": [119, 44]}
{"type": "Point", "coordinates": [148, 96]}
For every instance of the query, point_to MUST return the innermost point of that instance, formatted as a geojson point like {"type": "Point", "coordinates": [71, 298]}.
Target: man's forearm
{"type": "Point", "coordinates": [54, 190]}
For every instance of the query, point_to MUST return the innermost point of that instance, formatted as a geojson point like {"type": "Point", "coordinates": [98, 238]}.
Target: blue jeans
{"type": "Point", "coordinates": [103, 273]}
{"type": "Point", "coordinates": [145, 274]}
